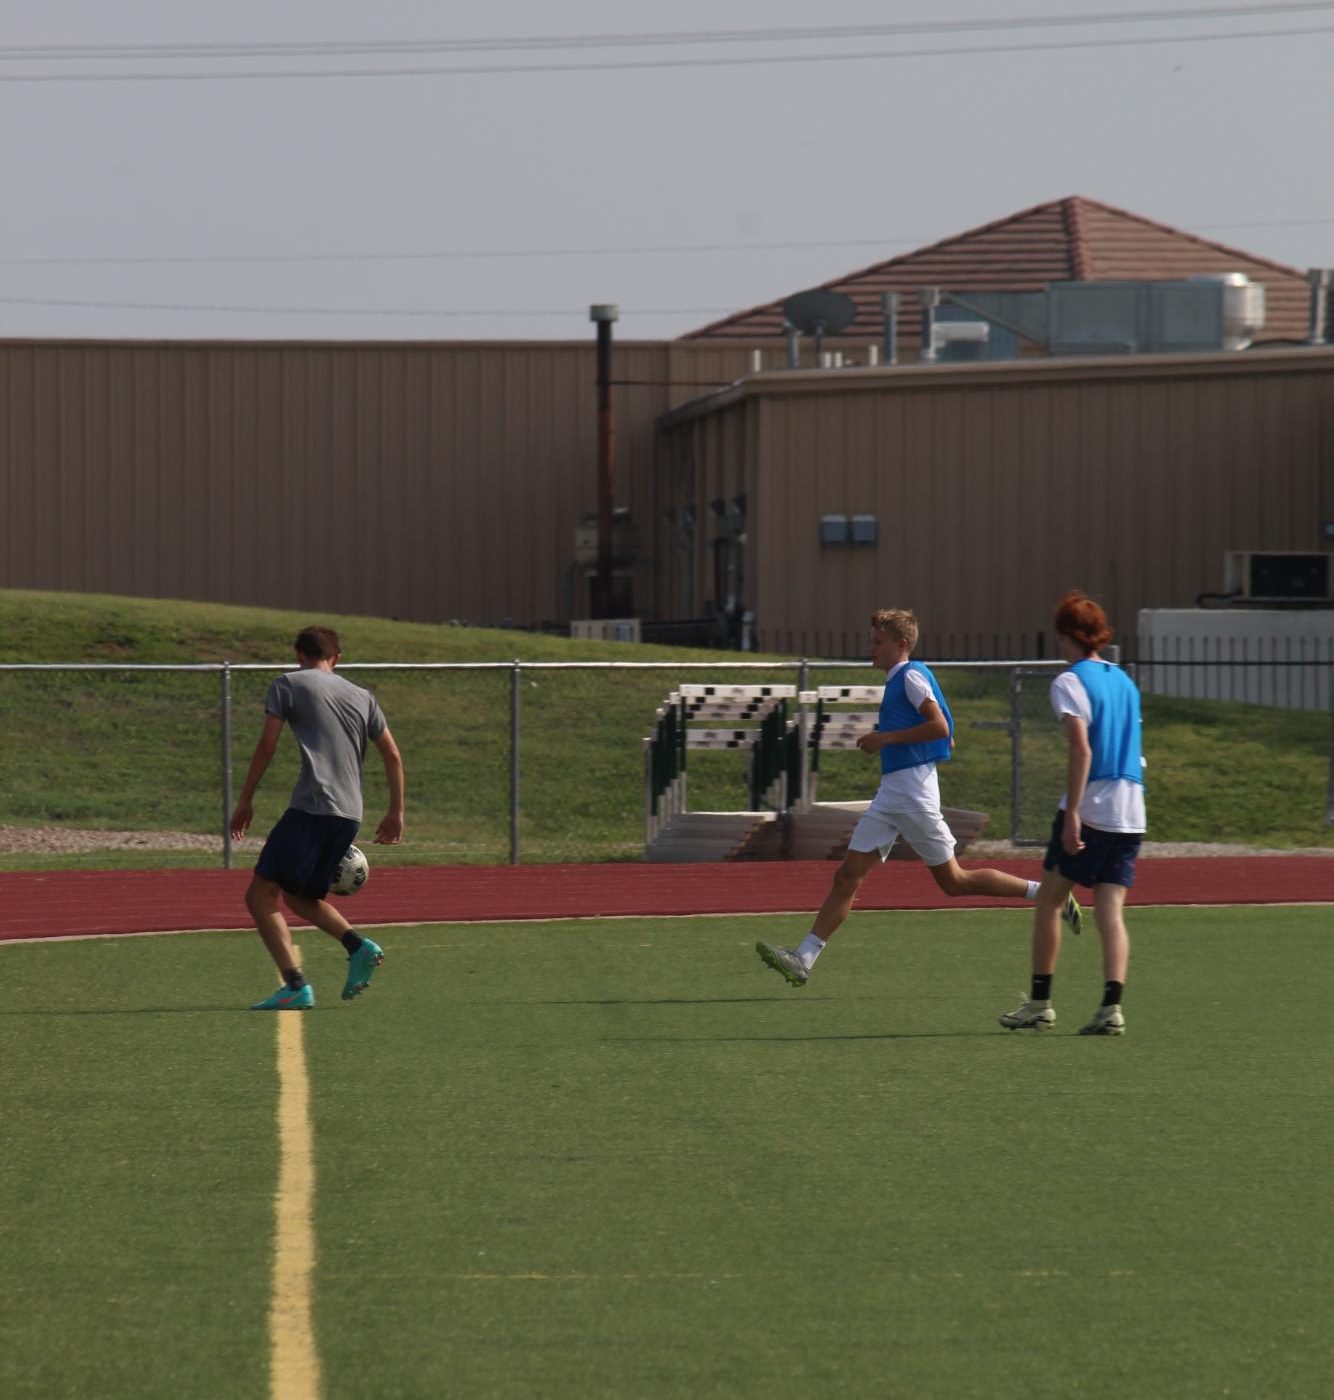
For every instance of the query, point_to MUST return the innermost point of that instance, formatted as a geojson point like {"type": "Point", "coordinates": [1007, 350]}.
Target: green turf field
{"type": "Point", "coordinates": [622, 1159]}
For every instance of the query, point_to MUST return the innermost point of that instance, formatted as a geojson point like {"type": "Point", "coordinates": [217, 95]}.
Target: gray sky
{"type": "Point", "coordinates": [698, 164]}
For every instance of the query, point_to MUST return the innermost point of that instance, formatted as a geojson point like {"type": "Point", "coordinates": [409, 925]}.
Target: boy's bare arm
{"type": "Point", "coordinates": [390, 830]}
{"type": "Point", "coordinates": [934, 726]}
{"type": "Point", "coordinates": [1079, 760]}
{"type": "Point", "coordinates": [244, 812]}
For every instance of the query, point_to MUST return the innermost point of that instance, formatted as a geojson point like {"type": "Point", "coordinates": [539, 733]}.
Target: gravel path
{"type": "Point", "coordinates": [26, 840]}
{"type": "Point", "coordinates": [1003, 850]}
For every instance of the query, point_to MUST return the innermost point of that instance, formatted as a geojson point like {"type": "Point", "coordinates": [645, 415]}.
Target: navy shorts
{"type": "Point", "coordinates": [1108, 857]}
{"type": "Point", "coordinates": [303, 851]}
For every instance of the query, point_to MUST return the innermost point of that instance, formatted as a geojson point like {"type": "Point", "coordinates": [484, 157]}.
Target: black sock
{"type": "Point", "coordinates": [351, 941]}
{"type": "Point", "coordinates": [1042, 986]}
{"type": "Point", "coordinates": [294, 978]}
{"type": "Point", "coordinates": [1111, 993]}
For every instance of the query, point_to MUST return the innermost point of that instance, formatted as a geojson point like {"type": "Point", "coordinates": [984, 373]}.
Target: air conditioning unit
{"type": "Point", "coordinates": [1283, 577]}
{"type": "Point", "coordinates": [606, 629]}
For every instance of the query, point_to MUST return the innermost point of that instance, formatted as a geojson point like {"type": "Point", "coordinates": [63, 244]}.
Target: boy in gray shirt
{"type": "Point", "coordinates": [332, 721]}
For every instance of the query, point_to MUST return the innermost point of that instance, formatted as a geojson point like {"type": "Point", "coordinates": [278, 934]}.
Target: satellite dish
{"type": "Point", "coordinates": [819, 312]}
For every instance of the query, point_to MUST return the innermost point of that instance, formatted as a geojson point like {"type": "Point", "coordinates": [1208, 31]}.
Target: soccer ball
{"type": "Point", "coordinates": [351, 872]}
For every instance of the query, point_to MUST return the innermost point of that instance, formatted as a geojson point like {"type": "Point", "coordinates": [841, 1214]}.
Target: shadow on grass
{"type": "Point", "coordinates": [156, 1011]}
{"type": "Point", "coordinates": [685, 1001]}
{"type": "Point", "coordinates": [787, 1039]}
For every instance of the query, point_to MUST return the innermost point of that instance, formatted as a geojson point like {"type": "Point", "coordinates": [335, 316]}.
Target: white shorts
{"type": "Point", "coordinates": [923, 828]}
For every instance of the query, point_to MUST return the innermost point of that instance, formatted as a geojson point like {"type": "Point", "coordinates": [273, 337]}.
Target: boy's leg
{"type": "Point", "coordinates": [928, 833]}
{"type": "Point", "coordinates": [295, 994]}
{"type": "Point", "coordinates": [1109, 908]}
{"type": "Point", "coordinates": [363, 955]}
{"type": "Point", "coordinates": [854, 868]}
{"type": "Point", "coordinates": [795, 964]}
{"type": "Point", "coordinates": [262, 900]}
{"type": "Point", "coordinates": [1052, 898]}
{"type": "Point", "coordinates": [1053, 892]}
{"type": "Point", "coordinates": [320, 913]}
{"type": "Point", "coordinates": [954, 880]}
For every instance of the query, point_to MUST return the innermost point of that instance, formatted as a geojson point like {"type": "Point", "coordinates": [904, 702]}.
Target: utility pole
{"type": "Point", "coordinates": [604, 317]}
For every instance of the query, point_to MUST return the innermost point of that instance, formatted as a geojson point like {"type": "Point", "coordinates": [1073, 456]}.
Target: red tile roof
{"type": "Point", "coordinates": [1072, 239]}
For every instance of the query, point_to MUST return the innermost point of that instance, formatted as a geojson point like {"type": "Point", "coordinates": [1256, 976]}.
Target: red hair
{"type": "Point", "coordinates": [1078, 617]}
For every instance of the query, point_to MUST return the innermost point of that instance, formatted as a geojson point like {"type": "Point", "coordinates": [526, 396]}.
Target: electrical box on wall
{"type": "Point", "coordinates": [834, 529]}
{"type": "Point", "coordinates": [849, 529]}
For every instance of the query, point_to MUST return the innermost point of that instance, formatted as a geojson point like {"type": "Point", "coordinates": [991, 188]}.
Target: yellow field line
{"type": "Point", "coordinates": [294, 1364]}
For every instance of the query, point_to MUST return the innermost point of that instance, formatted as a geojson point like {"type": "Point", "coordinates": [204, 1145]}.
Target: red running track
{"type": "Point", "coordinates": [55, 904]}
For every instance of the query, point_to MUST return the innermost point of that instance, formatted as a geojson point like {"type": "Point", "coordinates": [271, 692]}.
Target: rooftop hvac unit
{"type": "Point", "coordinates": [1283, 577]}
{"type": "Point", "coordinates": [1211, 312]}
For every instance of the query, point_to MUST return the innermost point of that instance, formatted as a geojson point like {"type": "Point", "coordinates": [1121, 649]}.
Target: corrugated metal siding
{"type": "Point", "coordinates": [446, 481]}
{"type": "Point", "coordinates": [996, 492]}
{"type": "Point", "coordinates": [418, 481]}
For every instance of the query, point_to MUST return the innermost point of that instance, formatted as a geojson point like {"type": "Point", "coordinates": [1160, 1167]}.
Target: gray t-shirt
{"type": "Point", "coordinates": [332, 720]}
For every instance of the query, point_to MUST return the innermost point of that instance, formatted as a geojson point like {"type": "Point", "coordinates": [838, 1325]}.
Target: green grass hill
{"type": "Point", "coordinates": [142, 751]}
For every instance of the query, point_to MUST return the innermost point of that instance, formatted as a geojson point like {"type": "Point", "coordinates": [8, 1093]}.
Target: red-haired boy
{"type": "Point", "coordinates": [1096, 835]}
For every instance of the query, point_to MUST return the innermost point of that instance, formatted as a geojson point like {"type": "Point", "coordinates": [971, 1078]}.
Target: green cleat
{"type": "Point", "coordinates": [285, 999]}
{"type": "Point", "coordinates": [361, 968]}
{"type": "Point", "coordinates": [1073, 914]}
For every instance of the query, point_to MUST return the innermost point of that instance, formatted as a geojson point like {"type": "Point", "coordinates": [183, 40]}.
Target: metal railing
{"type": "Point", "coordinates": [1291, 673]}
{"type": "Point", "coordinates": [503, 751]}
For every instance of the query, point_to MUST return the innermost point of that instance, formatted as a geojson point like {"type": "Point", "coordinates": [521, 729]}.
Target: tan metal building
{"type": "Point", "coordinates": [439, 481]}
{"type": "Point", "coordinates": [418, 481]}
{"type": "Point", "coordinates": [990, 489]}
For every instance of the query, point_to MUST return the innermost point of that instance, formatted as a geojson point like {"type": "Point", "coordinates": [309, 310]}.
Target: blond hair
{"type": "Point", "coordinates": [900, 623]}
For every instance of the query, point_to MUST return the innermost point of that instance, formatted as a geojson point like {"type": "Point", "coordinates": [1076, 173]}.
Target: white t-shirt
{"type": "Point", "coordinates": [1110, 804]}
{"type": "Point", "coordinates": [917, 786]}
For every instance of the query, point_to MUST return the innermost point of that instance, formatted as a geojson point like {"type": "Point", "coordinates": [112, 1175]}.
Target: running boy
{"type": "Point", "coordinates": [1100, 823]}
{"type": "Point", "coordinates": [914, 733]}
{"type": "Point", "coordinates": [332, 720]}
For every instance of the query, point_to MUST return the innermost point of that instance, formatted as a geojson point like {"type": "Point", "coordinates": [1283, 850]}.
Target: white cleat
{"type": "Point", "coordinates": [1108, 1020]}
{"type": "Point", "coordinates": [785, 962]}
{"type": "Point", "coordinates": [1073, 914]}
{"type": "Point", "coordinates": [1030, 1016]}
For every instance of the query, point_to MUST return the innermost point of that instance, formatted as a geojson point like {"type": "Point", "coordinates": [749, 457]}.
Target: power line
{"type": "Point", "coordinates": [740, 61]}
{"type": "Point", "coordinates": [416, 311]}
{"type": "Point", "coordinates": [469, 254]}
{"type": "Point", "coordinates": [1269, 223]}
{"type": "Point", "coordinates": [649, 39]}
{"type": "Point", "coordinates": [505, 254]}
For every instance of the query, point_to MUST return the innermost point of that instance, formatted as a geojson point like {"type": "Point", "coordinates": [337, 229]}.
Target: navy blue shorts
{"type": "Point", "coordinates": [1108, 857]}
{"type": "Point", "coordinates": [303, 851]}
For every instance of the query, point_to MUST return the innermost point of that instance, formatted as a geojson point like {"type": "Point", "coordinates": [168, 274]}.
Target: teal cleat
{"type": "Point", "coordinates": [361, 968]}
{"type": "Point", "coordinates": [285, 999]}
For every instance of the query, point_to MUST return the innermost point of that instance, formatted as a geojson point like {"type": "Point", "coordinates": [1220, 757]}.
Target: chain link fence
{"type": "Point", "coordinates": [514, 761]}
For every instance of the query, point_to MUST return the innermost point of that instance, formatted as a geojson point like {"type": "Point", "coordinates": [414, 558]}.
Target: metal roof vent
{"type": "Point", "coordinates": [1243, 306]}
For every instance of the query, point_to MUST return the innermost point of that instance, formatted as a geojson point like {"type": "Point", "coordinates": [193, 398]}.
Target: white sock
{"type": "Point", "coordinates": [1032, 890]}
{"type": "Point", "coordinates": [809, 949]}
